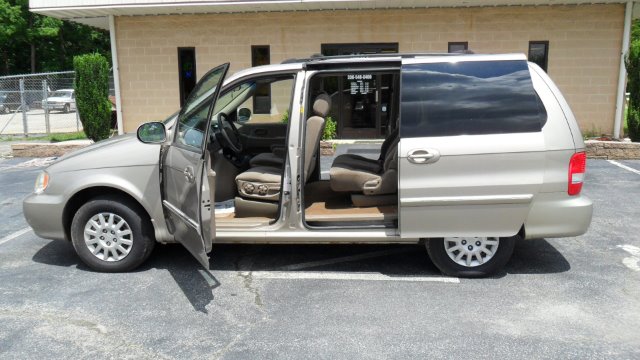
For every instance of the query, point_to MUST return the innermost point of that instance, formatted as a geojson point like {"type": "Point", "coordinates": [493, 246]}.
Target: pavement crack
{"type": "Point", "coordinates": [247, 281]}
{"type": "Point", "coordinates": [243, 266]}
{"type": "Point", "coordinates": [245, 261]}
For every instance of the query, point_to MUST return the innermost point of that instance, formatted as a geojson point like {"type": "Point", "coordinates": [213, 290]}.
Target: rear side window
{"type": "Point", "coordinates": [468, 98]}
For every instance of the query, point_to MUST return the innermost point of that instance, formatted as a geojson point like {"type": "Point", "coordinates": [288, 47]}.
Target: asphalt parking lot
{"type": "Point", "coordinates": [557, 298]}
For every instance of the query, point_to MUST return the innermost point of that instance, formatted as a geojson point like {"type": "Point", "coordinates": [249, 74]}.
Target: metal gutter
{"type": "Point", "coordinates": [116, 72]}
{"type": "Point", "coordinates": [622, 76]}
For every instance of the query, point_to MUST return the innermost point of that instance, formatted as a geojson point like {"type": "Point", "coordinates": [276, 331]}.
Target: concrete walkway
{"type": "Point", "coordinates": [5, 148]}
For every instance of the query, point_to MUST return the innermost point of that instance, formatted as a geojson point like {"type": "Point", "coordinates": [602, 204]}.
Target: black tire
{"type": "Point", "coordinates": [142, 235]}
{"type": "Point", "coordinates": [6, 110]}
{"type": "Point", "coordinates": [438, 254]}
{"type": "Point", "coordinates": [66, 109]}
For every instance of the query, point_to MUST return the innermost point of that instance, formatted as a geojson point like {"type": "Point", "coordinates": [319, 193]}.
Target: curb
{"type": "Point", "coordinates": [612, 150]}
{"type": "Point", "coordinates": [608, 150]}
{"type": "Point", "coordinates": [34, 149]}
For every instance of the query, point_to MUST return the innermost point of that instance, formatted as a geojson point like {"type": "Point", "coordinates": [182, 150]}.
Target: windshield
{"type": "Point", "coordinates": [171, 118]}
{"type": "Point", "coordinates": [62, 94]}
{"type": "Point", "coordinates": [239, 93]}
{"type": "Point", "coordinates": [202, 93]}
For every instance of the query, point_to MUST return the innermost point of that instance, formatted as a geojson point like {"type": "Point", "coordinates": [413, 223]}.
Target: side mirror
{"type": "Point", "coordinates": [152, 133]}
{"type": "Point", "coordinates": [244, 115]}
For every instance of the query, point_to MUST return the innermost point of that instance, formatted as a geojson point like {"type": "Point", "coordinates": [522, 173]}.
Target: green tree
{"type": "Point", "coordinates": [34, 43]}
{"type": "Point", "coordinates": [11, 23]}
{"type": "Point", "coordinates": [92, 95]}
{"type": "Point", "coordinates": [330, 128]}
{"type": "Point", "coordinates": [633, 87]}
{"type": "Point", "coordinates": [635, 30]}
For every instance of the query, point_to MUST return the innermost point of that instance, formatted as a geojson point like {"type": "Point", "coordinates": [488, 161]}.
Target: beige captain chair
{"type": "Point", "coordinates": [264, 182]}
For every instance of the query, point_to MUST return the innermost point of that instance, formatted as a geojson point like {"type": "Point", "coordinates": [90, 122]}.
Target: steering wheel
{"type": "Point", "coordinates": [229, 132]}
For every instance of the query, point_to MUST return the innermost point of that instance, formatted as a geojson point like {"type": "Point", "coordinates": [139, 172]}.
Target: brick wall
{"type": "Point", "coordinates": [584, 46]}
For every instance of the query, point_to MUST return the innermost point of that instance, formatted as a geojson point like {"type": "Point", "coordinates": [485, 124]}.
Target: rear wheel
{"type": "Point", "coordinates": [471, 256]}
{"type": "Point", "coordinates": [111, 234]}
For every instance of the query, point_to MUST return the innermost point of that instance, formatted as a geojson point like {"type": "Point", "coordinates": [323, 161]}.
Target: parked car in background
{"type": "Point", "coordinates": [483, 152]}
{"type": "Point", "coordinates": [63, 100]}
{"type": "Point", "coordinates": [4, 109]}
{"type": "Point", "coordinates": [10, 101]}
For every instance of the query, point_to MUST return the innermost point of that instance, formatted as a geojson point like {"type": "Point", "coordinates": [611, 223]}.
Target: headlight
{"type": "Point", "coordinates": [41, 182]}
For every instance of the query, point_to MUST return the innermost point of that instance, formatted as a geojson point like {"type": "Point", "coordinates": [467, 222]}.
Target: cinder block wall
{"type": "Point", "coordinates": [584, 46]}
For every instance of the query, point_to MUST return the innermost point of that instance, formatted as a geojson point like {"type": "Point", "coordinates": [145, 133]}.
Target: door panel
{"type": "Point", "coordinates": [472, 153]}
{"type": "Point", "coordinates": [183, 166]}
{"type": "Point", "coordinates": [182, 199]}
{"type": "Point", "coordinates": [475, 188]}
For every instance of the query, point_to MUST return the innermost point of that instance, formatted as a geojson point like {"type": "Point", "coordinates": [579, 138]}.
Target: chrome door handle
{"type": "Point", "coordinates": [423, 156]}
{"type": "Point", "coordinates": [188, 173]}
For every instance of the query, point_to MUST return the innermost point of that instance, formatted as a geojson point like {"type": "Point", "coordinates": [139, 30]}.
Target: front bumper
{"type": "Point", "coordinates": [54, 106]}
{"type": "Point", "coordinates": [44, 214]}
{"type": "Point", "coordinates": [555, 215]}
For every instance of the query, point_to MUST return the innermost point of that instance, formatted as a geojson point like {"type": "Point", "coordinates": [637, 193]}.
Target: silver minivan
{"type": "Point", "coordinates": [479, 151]}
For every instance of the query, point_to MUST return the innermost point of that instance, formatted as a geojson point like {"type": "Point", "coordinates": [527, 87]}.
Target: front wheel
{"type": "Point", "coordinates": [66, 109]}
{"type": "Point", "coordinates": [111, 234]}
{"type": "Point", "coordinates": [471, 256]}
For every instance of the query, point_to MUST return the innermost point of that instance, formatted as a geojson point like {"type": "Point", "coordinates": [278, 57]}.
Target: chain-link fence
{"type": "Point", "coordinates": [39, 104]}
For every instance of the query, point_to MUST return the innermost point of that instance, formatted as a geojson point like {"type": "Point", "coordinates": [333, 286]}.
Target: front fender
{"type": "Point", "coordinates": [142, 183]}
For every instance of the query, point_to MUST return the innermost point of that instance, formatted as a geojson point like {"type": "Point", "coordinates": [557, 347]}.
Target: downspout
{"type": "Point", "coordinates": [622, 76]}
{"type": "Point", "coordinates": [116, 72]}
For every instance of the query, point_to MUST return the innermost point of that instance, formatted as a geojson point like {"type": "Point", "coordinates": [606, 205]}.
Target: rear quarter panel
{"type": "Point", "coordinates": [553, 212]}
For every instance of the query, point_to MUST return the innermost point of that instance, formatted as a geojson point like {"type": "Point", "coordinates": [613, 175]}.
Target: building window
{"type": "Point", "coordinates": [187, 72]}
{"type": "Point", "coordinates": [358, 48]}
{"type": "Point", "coordinates": [261, 55]}
{"type": "Point", "coordinates": [539, 53]}
{"type": "Point", "coordinates": [458, 47]}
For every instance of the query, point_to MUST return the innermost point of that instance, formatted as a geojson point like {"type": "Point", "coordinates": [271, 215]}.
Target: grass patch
{"type": "Point", "coordinates": [80, 135]}
{"type": "Point", "coordinates": [50, 138]}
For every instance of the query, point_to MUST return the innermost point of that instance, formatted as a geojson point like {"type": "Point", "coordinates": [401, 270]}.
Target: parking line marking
{"type": "Point", "coordinates": [633, 261]}
{"type": "Point", "coordinates": [14, 235]}
{"type": "Point", "coordinates": [332, 275]}
{"type": "Point", "coordinates": [624, 166]}
{"type": "Point", "coordinates": [369, 255]}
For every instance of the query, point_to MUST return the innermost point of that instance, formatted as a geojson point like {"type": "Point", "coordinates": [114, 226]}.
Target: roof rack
{"type": "Point", "coordinates": [318, 57]}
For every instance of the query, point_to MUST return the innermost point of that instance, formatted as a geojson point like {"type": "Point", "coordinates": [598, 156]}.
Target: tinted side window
{"type": "Point", "coordinates": [468, 98]}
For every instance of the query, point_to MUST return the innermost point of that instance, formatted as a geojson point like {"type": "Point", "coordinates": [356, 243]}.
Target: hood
{"type": "Point", "coordinates": [118, 151]}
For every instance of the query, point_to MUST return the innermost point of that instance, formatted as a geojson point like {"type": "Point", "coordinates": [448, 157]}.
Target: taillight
{"type": "Point", "coordinates": [577, 167]}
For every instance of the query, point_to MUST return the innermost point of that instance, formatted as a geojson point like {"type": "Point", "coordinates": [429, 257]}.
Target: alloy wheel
{"type": "Point", "coordinates": [108, 237]}
{"type": "Point", "coordinates": [471, 251]}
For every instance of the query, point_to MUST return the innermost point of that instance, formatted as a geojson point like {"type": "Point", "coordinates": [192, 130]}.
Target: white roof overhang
{"type": "Point", "coordinates": [95, 12]}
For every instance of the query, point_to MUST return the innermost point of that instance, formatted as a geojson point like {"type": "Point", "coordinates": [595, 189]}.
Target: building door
{"type": "Point", "coordinates": [358, 48]}
{"type": "Point", "coordinates": [364, 103]}
{"type": "Point", "coordinates": [186, 72]}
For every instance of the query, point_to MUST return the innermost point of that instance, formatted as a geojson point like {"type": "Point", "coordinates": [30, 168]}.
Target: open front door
{"type": "Point", "coordinates": [184, 169]}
